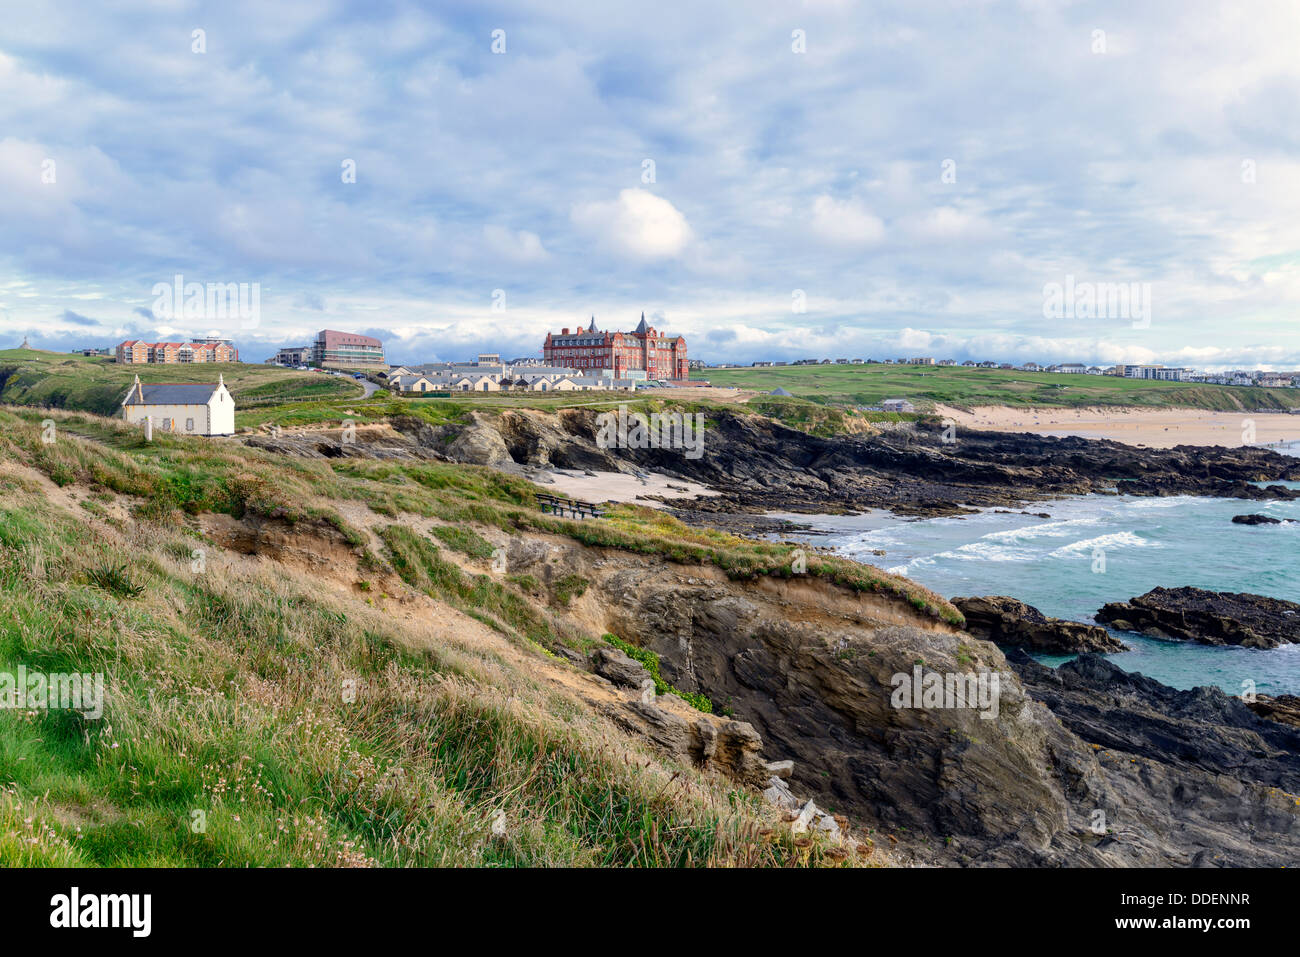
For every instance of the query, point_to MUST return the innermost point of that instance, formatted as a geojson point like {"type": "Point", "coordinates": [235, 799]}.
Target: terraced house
{"type": "Point", "coordinates": [135, 351]}
{"type": "Point", "coordinates": [644, 353]}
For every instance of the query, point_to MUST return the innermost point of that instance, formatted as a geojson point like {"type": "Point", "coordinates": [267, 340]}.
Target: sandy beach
{"type": "Point", "coordinates": [619, 486]}
{"type": "Point", "coordinates": [1153, 428]}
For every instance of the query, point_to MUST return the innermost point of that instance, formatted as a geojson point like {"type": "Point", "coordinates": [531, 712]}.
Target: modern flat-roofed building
{"type": "Point", "coordinates": [292, 356]}
{"type": "Point", "coordinates": [645, 349]}
{"type": "Point", "coordinates": [1160, 373]}
{"type": "Point", "coordinates": [347, 349]}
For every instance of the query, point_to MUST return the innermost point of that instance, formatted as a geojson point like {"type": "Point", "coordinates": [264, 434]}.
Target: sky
{"type": "Point", "coordinates": [769, 180]}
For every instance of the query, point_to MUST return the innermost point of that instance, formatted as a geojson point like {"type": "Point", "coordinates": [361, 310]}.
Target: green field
{"type": "Point", "coordinates": [964, 387]}
{"type": "Point", "coordinates": [93, 384]}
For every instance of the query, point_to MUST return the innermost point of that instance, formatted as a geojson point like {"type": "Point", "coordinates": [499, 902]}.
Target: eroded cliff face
{"type": "Point", "coordinates": [755, 464]}
{"type": "Point", "coordinates": [811, 666]}
{"type": "Point", "coordinates": [1086, 766]}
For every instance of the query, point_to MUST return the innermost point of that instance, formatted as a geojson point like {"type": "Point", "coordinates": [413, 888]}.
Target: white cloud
{"type": "Point", "coordinates": [638, 224]}
{"type": "Point", "coordinates": [948, 224]}
{"type": "Point", "coordinates": [845, 223]}
{"type": "Point", "coordinates": [516, 246]}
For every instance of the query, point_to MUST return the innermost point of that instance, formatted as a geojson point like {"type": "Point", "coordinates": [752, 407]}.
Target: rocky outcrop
{"type": "Point", "coordinates": [1208, 617]}
{"type": "Point", "coordinates": [1284, 708]}
{"type": "Point", "coordinates": [756, 464]}
{"type": "Point", "coordinates": [613, 665]}
{"type": "Point", "coordinates": [1222, 772]}
{"type": "Point", "coordinates": [1014, 624]}
{"type": "Point", "coordinates": [1259, 520]}
{"type": "Point", "coordinates": [810, 674]}
{"type": "Point", "coordinates": [376, 441]}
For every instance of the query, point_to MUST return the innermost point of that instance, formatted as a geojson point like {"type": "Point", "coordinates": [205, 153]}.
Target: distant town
{"type": "Point", "coordinates": [588, 359]}
{"type": "Point", "coordinates": [1251, 377]}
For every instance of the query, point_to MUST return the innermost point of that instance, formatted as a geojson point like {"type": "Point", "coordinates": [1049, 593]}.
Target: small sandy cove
{"type": "Point", "coordinates": [1153, 428]}
{"type": "Point", "coordinates": [618, 486]}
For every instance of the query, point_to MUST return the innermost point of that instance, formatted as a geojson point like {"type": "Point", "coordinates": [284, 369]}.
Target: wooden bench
{"type": "Point", "coordinates": [556, 505]}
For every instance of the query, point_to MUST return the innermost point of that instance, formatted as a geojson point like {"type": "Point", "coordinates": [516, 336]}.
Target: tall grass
{"type": "Point", "coordinates": [256, 719]}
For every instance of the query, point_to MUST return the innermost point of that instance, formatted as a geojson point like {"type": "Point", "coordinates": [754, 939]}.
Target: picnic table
{"type": "Point", "coordinates": [558, 505]}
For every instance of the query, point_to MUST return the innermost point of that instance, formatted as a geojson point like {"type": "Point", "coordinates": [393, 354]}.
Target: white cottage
{"type": "Point", "coordinates": [186, 408]}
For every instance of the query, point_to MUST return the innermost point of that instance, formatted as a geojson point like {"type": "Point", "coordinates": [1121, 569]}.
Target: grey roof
{"type": "Point", "coordinates": [592, 327]}
{"type": "Point", "coordinates": [780, 391]}
{"type": "Point", "coordinates": [642, 327]}
{"type": "Point", "coordinates": [172, 393]}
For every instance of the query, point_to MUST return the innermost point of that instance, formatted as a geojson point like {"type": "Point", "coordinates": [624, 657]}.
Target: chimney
{"type": "Point", "coordinates": [564, 331]}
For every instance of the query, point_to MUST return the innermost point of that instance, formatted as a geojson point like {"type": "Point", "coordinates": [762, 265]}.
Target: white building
{"type": "Point", "coordinates": [185, 408]}
{"type": "Point", "coordinates": [1160, 373]}
{"type": "Point", "coordinates": [897, 405]}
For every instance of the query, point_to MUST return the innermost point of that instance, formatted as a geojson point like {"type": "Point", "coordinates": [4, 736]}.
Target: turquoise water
{"type": "Point", "coordinates": [1145, 542]}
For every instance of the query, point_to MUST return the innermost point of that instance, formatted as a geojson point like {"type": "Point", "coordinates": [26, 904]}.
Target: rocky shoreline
{"type": "Point", "coordinates": [757, 465]}
{"type": "Point", "coordinates": [1207, 617]}
{"type": "Point", "coordinates": [1011, 623]}
{"type": "Point", "coordinates": [1179, 777]}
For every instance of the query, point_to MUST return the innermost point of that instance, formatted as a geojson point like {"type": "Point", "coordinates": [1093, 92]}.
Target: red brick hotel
{"type": "Point", "coordinates": [645, 349]}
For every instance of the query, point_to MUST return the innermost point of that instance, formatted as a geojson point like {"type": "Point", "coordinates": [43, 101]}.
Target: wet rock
{"type": "Point", "coordinates": [1203, 727]}
{"type": "Point", "coordinates": [1256, 519]}
{"type": "Point", "coordinates": [1012, 623]}
{"type": "Point", "coordinates": [1284, 708]}
{"type": "Point", "coordinates": [1208, 617]}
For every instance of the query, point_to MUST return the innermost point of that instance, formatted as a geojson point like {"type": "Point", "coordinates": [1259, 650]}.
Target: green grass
{"type": "Point", "coordinates": [226, 688]}
{"type": "Point", "coordinates": [96, 384]}
{"type": "Point", "coordinates": [650, 661]}
{"type": "Point", "coordinates": [808, 416]}
{"type": "Point", "coordinates": [965, 387]}
{"type": "Point", "coordinates": [435, 411]}
{"type": "Point", "coordinates": [464, 540]}
{"type": "Point", "coordinates": [253, 719]}
{"type": "Point", "coordinates": [178, 475]}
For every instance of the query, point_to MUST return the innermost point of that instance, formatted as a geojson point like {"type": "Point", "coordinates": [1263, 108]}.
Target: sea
{"type": "Point", "coordinates": [1053, 563]}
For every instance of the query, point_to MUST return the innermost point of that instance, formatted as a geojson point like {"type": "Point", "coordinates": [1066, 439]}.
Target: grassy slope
{"type": "Point", "coordinates": [869, 384]}
{"type": "Point", "coordinates": [224, 686]}
{"type": "Point", "coordinates": [93, 384]}
{"type": "Point", "coordinates": [177, 475]}
{"type": "Point", "coordinates": [439, 410]}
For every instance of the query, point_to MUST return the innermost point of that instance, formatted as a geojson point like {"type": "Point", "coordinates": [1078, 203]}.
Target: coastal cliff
{"type": "Point", "coordinates": [491, 633]}
{"type": "Point", "coordinates": [755, 464]}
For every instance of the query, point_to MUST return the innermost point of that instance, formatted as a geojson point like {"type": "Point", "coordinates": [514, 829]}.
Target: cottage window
{"type": "Point", "coordinates": [189, 425]}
